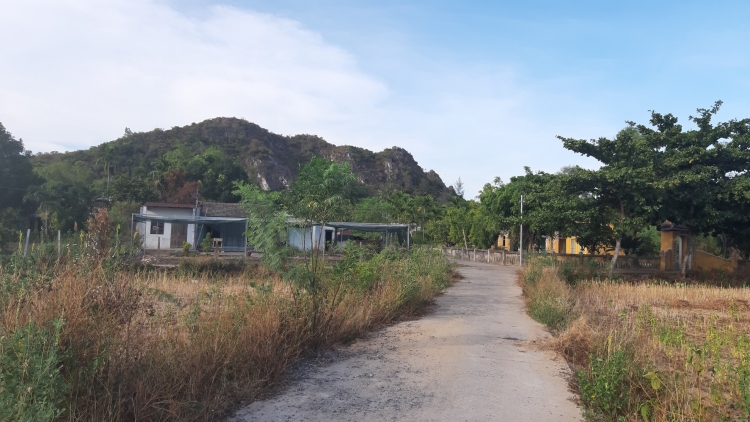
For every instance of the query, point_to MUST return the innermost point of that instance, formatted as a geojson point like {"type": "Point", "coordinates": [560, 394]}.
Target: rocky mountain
{"type": "Point", "coordinates": [270, 160]}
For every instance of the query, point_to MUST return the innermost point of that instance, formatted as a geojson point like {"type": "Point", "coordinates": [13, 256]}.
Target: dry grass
{"type": "Point", "coordinates": [686, 347]}
{"type": "Point", "coordinates": [155, 345]}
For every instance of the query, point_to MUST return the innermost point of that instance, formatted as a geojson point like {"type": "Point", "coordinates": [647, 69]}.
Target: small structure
{"type": "Point", "coordinates": [319, 237]}
{"type": "Point", "coordinates": [164, 225]}
{"type": "Point", "coordinates": [676, 247]}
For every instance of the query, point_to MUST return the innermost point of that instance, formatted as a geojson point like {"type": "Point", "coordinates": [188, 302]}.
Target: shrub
{"type": "Point", "coordinates": [207, 243]}
{"type": "Point", "coordinates": [574, 270]}
{"type": "Point", "coordinates": [182, 345]}
{"type": "Point", "coordinates": [31, 387]}
{"type": "Point", "coordinates": [604, 386]}
{"type": "Point", "coordinates": [548, 299]}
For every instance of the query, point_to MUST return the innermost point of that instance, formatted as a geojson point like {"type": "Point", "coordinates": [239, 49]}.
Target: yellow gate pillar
{"type": "Point", "coordinates": [667, 254]}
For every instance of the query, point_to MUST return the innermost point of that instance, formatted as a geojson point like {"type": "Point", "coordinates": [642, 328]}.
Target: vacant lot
{"type": "Point", "coordinates": [89, 337]}
{"type": "Point", "coordinates": [651, 350]}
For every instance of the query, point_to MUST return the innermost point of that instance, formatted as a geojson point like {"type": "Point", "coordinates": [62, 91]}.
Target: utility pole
{"type": "Point", "coordinates": [520, 244]}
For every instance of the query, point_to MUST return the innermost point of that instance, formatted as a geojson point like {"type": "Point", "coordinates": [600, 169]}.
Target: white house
{"type": "Point", "coordinates": [164, 225]}
{"type": "Point", "coordinates": [161, 234]}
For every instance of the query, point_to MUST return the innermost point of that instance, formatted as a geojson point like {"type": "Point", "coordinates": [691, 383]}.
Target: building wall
{"type": "Point", "coordinates": [154, 241]}
{"type": "Point", "coordinates": [307, 238]}
{"type": "Point", "coordinates": [706, 261]}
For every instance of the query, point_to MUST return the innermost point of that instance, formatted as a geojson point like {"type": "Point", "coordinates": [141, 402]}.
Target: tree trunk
{"type": "Point", "coordinates": [614, 258]}
{"type": "Point", "coordinates": [466, 245]}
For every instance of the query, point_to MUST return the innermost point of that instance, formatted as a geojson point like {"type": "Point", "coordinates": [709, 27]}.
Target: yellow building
{"type": "Point", "coordinates": [558, 245]}
{"type": "Point", "coordinates": [569, 245]}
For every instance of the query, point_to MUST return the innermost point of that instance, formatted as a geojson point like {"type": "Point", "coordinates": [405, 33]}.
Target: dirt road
{"type": "Point", "coordinates": [466, 361]}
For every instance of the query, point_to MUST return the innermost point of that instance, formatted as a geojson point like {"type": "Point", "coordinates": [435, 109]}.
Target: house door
{"type": "Point", "coordinates": [178, 235]}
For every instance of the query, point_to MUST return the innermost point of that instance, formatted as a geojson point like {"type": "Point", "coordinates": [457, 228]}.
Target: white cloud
{"type": "Point", "coordinates": [74, 73]}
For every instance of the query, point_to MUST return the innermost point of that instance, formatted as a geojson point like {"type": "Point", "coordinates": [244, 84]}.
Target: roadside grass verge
{"type": "Point", "coordinates": [649, 351]}
{"type": "Point", "coordinates": [84, 338]}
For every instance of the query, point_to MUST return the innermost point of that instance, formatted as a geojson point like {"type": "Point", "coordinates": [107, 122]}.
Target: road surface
{"type": "Point", "coordinates": [469, 360]}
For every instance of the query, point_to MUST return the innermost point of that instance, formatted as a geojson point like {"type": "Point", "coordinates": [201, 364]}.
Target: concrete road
{"type": "Point", "coordinates": [466, 361]}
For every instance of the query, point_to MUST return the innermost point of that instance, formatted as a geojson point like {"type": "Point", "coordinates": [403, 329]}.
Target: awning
{"type": "Point", "coordinates": [369, 227]}
{"type": "Point", "coordinates": [188, 220]}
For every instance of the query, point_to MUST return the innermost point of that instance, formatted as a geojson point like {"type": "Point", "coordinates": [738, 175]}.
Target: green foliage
{"type": "Point", "coordinates": [216, 171]}
{"type": "Point", "coordinates": [16, 174]}
{"type": "Point", "coordinates": [651, 174]}
{"type": "Point", "coordinates": [8, 227]}
{"type": "Point", "coordinates": [604, 385]}
{"type": "Point", "coordinates": [551, 312]}
{"type": "Point", "coordinates": [546, 296]}
{"type": "Point", "coordinates": [170, 165]}
{"type": "Point", "coordinates": [550, 208]}
{"type": "Point", "coordinates": [207, 243]}
{"type": "Point", "coordinates": [574, 270]}
{"type": "Point", "coordinates": [623, 188]}
{"type": "Point", "coordinates": [267, 225]}
{"type": "Point", "coordinates": [317, 196]}
{"type": "Point", "coordinates": [133, 189]}
{"type": "Point", "coordinates": [186, 248]}
{"type": "Point", "coordinates": [31, 386]}
{"type": "Point", "coordinates": [363, 270]}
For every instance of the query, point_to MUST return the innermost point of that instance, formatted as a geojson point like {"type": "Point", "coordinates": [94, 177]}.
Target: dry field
{"type": "Point", "coordinates": [649, 351]}
{"type": "Point", "coordinates": [85, 339]}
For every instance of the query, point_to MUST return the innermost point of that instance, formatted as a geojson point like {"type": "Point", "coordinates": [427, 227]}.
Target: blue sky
{"type": "Point", "coordinates": [472, 89]}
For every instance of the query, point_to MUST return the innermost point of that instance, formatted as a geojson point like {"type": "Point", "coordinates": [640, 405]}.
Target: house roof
{"type": "Point", "coordinates": [188, 220]}
{"type": "Point", "coordinates": [369, 227]}
{"type": "Point", "coordinates": [168, 205]}
{"type": "Point", "coordinates": [223, 209]}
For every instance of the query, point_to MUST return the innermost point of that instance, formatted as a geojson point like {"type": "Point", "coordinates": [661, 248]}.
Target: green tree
{"type": "Point", "coordinates": [623, 188]}
{"type": "Point", "coordinates": [46, 198]}
{"type": "Point", "coordinates": [702, 174]}
{"type": "Point", "coordinates": [16, 173]}
{"type": "Point", "coordinates": [317, 197]}
{"type": "Point", "coordinates": [133, 189]}
{"type": "Point", "coordinates": [267, 225]}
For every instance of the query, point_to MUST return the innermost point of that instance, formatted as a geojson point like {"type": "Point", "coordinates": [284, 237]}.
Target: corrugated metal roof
{"type": "Point", "coordinates": [223, 209]}
{"type": "Point", "coordinates": [168, 205]}
{"type": "Point", "coordinates": [188, 220]}
{"type": "Point", "coordinates": [369, 227]}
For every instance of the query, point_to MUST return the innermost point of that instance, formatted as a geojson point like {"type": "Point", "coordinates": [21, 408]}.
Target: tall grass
{"type": "Point", "coordinates": [652, 350]}
{"type": "Point", "coordinates": [108, 341]}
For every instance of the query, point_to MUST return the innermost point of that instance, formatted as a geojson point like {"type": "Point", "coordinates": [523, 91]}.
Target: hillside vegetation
{"type": "Point", "coordinates": [222, 150]}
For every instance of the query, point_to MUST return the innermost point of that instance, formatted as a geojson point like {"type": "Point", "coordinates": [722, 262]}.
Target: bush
{"type": "Point", "coordinates": [548, 298]}
{"type": "Point", "coordinates": [575, 270]}
{"type": "Point", "coordinates": [188, 344]}
{"type": "Point", "coordinates": [31, 387]}
{"type": "Point", "coordinates": [207, 243]}
{"type": "Point", "coordinates": [603, 385]}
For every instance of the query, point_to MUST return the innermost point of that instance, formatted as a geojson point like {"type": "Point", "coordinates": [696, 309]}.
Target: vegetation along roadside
{"type": "Point", "coordinates": [88, 337]}
{"type": "Point", "coordinates": [652, 351]}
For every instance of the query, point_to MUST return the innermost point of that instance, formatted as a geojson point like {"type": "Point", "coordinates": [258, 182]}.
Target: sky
{"type": "Point", "coordinates": [473, 89]}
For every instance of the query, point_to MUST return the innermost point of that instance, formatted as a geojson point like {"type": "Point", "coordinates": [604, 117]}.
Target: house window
{"type": "Point", "coordinates": [157, 227]}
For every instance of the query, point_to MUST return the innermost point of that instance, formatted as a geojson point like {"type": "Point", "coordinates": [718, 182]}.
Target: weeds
{"type": "Point", "coordinates": [188, 344]}
{"type": "Point", "coordinates": [31, 386]}
{"type": "Point", "coordinates": [649, 351]}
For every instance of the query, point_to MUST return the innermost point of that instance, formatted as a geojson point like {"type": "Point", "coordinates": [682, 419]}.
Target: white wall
{"type": "Point", "coordinates": [152, 241]}
{"type": "Point", "coordinates": [307, 238]}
